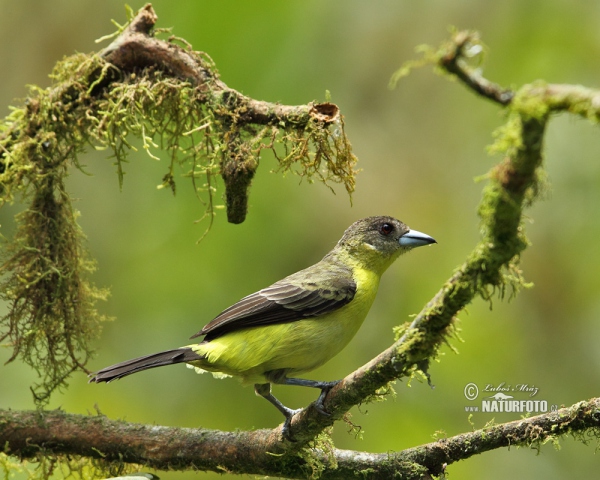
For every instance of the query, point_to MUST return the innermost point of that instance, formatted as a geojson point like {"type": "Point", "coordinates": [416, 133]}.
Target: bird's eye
{"type": "Point", "coordinates": [386, 228]}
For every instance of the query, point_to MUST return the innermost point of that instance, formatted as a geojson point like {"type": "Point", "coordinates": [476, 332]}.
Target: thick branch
{"type": "Point", "coordinates": [137, 54]}
{"type": "Point", "coordinates": [25, 434]}
{"type": "Point", "coordinates": [136, 48]}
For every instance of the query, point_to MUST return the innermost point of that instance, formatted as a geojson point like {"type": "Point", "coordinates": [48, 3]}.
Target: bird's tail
{"type": "Point", "coordinates": [169, 357]}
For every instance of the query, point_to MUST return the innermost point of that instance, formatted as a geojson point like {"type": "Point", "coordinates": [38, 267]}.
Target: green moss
{"type": "Point", "coordinates": [319, 455]}
{"type": "Point", "coordinates": [61, 467]}
{"type": "Point", "coordinates": [381, 394]}
{"type": "Point", "coordinates": [52, 305]}
{"type": "Point", "coordinates": [529, 104]}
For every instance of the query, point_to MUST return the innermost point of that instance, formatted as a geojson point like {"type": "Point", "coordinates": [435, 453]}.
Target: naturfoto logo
{"type": "Point", "coordinates": [502, 399]}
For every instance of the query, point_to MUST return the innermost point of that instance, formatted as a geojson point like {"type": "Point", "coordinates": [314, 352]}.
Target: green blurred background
{"type": "Point", "coordinates": [420, 149]}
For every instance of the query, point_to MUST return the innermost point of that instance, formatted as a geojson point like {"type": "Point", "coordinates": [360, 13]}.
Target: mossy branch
{"type": "Point", "coordinates": [235, 120]}
{"type": "Point", "coordinates": [169, 97]}
{"type": "Point", "coordinates": [492, 266]}
{"type": "Point", "coordinates": [31, 435]}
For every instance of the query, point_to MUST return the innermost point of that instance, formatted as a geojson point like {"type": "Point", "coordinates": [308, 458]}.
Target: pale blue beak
{"type": "Point", "coordinates": [412, 238]}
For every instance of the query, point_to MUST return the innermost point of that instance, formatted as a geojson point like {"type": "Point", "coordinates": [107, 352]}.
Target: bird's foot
{"type": "Point", "coordinates": [325, 387]}
{"type": "Point", "coordinates": [285, 430]}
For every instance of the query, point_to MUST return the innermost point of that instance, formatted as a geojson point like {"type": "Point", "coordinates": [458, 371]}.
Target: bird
{"type": "Point", "coordinates": [298, 323]}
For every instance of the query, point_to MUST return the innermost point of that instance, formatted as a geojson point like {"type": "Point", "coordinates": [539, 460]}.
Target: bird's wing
{"type": "Point", "coordinates": [293, 298]}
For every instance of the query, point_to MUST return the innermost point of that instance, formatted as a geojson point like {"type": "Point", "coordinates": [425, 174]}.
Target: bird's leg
{"type": "Point", "coordinates": [264, 390]}
{"type": "Point", "coordinates": [324, 386]}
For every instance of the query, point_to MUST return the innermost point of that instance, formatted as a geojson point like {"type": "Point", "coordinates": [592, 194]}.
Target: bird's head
{"type": "Point", "coordinates": [376, 242]}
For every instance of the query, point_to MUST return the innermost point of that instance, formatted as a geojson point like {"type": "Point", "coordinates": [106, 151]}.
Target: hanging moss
{"type": "Point", "coordinates": [65, 466]}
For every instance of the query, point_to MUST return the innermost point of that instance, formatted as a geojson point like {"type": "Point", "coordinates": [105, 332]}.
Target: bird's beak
{"type": "Point", "coordinates": [412, 238]}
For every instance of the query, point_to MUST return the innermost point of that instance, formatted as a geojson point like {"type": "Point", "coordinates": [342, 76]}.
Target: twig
{"type": "Point", "coordinates": [453, 61]}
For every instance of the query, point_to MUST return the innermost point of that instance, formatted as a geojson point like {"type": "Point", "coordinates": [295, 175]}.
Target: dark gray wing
{"type": "Point", "coordinates": [298, 296]}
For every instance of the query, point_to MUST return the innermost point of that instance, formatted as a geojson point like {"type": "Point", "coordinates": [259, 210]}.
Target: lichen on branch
{"type": "Point", "coordinates": [139, 92]}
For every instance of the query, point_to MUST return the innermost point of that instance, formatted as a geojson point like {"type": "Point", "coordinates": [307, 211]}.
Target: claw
{"type": "Point", "coordinates": [325, 387]}
{"type": "Point", "coordinates": [264, 390]}
{"type": "Point", "coordinates": [285, 430]}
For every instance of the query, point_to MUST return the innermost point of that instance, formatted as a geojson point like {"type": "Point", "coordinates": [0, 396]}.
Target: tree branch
{"type": "Point", "coordinates": [29, 433]}
{"type": "Point", "coordinates": [137, 54]}
{"type": "Point", "coordinates": [135, 48]}
{"type": "Point", "coordinates": [453, 59]}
